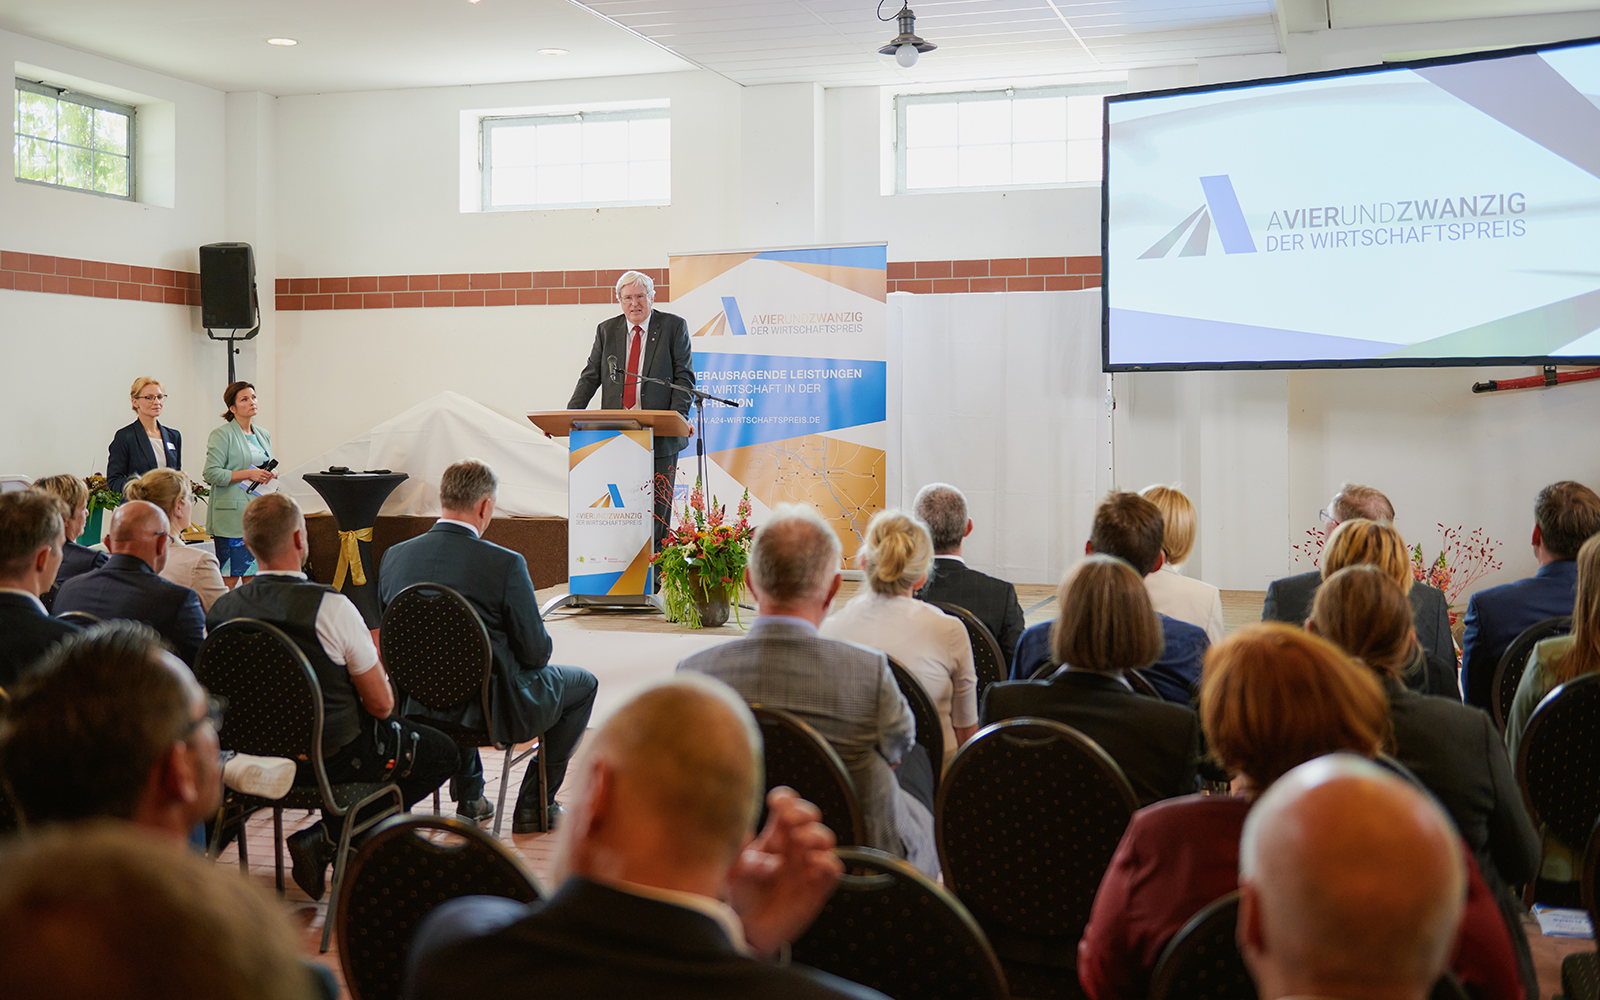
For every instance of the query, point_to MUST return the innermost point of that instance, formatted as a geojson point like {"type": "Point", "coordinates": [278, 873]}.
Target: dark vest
{"type": "Point", "coordinates": [291, 604]}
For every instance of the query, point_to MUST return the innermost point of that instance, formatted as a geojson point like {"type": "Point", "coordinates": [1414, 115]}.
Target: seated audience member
{"type": "Point", "coordinates": [1272, 697]}
{"type": "Point", "coordinates": [991, 600]}
{"type": "Point", "coordinates": [109, 911]}
{"type": "Point", "coordinates": [1129, 527]}
{"type": "Point", "coordinates": [75, 559]}
{"type": "Point", "coordinates": [1453, 749]}
{"type": "Point", "coordinates": [660, 836]}
{"type": "Point", "coordinates": [1172, 593]}
{"type": "Point", "coordinates": [931, 645]}
{"type": "Point", "coordinates": [130, 586]}
{"type": "Point", "coordinates": [192, 566]}
{"type": "Point", "coordinates": [1565, 516]}
{"type": "Point", "coordinates": [30, 551]}
{"type": "Point", "coordinates": [1104, 627]}
{"type": "Point", "coordinates": [1360, 542]}
{"type": "Point", "coordinates": [362, 739]}
{"type": "Point", "coordinates": [1350, 885]}
{"type": "Point", "coordinates": [531, 697]}
{"type": "Point", "coordinates": [1289, 599]}
{"type": "Point", "coordinates": [843, 690]}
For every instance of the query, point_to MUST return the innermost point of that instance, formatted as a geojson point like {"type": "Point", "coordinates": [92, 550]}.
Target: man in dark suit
{"type": "Point", "coordinates": [643, 342]}
{"type": "Point", "coordinates": [31, 536]}
{"type": "Point", "coordinates": [531, 696]}
{"type": "Point", "coordinates": [992, 601]}
{"type": "Point", "coordinates": [660, 836]}
{"type": "Point", "coordinates": [1565, 515]}
{"type": "Point", "coordinates": [1289, 599]}
{"type": "Point", "coordinates": [1128, 526]}
{"type": "Point", "coordinates": [129, 585]}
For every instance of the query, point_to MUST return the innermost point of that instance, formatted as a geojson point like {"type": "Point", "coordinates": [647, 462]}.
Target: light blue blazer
{"type": "Point", "coordinates": [227, 452]}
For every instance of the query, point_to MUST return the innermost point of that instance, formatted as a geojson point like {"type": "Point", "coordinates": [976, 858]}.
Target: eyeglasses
{"type": "Point", "coordinates": [153, 399]}
{"type": "Point", "coordinates": [215, 706]}
{"type": "Point", "coordinates": [1327, 519]}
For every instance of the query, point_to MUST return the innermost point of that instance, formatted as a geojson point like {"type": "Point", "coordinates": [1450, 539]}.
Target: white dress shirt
{"type": "Point", "coordinates": [341, 630]}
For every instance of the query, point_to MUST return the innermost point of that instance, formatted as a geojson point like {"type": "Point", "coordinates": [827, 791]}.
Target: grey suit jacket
{"type": "Point", "coordinates": [1289, 600]}
{"type": "Point", "coordinates": [843, 690]}
{"type": "Point", "coordinates": [667, 355]}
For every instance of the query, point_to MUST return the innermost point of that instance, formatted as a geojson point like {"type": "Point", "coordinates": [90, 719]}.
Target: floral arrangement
{"type": "Point", "coordinates": [1310, 548]}
{"type": "Point", "coordinates": [1463, 559]}
{"type": "Point", "coordinates": [703, 554]}
{"type": "Point", "coordinates": [101, 495]}
{"type": "Point", "coordinates": [198, 489]}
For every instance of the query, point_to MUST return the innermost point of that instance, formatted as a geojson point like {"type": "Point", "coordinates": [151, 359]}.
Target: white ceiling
{"type": "Point", "coordinates": [348, 45]}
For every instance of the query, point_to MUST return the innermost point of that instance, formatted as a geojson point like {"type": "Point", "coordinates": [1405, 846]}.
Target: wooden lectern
{"type": "Point", "coordinates": [610, 502]}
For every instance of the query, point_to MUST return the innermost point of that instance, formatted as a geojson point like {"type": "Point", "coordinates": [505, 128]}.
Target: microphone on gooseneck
{"type": "Point", "coordinates": [611, 367]}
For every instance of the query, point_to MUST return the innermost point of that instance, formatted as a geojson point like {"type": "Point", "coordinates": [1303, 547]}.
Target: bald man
{"type": "Point", "coordinates": [130, 586]}
{"type": "Point", "coordinates": [1351, 885]}
{"type": "Point", "coordinates": [660, 833]}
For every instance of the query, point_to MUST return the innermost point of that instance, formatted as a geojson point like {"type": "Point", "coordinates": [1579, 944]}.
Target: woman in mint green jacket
{"type": "Point", "coordinates": [234, 453]}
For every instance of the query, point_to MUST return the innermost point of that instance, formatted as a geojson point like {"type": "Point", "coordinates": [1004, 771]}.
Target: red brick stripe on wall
{"type": "Point", "coordinates": [1010, 274]}
{"type": "Point", "coordinates": [33, 272]}
{"type": "Point", "coordinates": [425, 291]}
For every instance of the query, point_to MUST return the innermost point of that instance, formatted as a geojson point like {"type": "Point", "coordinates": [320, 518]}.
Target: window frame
{"type": "Point", "coordinates": [904, 101]}
{"type": "Point", "coordinates": [489, 122]}
{"type": "Point", "coordinates": [131, 112]}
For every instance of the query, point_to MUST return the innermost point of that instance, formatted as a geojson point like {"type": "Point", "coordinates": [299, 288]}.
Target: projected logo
{"type": "Point", "coordinates": [611, 498]}
{"type": "Point", "coordinates": [1220, 210]}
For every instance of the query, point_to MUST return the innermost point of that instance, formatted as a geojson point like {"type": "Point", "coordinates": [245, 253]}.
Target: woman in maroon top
{"type": "Point", "coordinates": [1271, 698]}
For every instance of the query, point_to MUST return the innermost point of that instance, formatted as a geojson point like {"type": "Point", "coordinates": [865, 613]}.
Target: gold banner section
{"type": "Point", "coordinates": [350, 558]}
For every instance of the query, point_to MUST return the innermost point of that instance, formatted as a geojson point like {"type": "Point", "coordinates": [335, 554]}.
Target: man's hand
{"type": "Point", "coordinates": [781, 881]}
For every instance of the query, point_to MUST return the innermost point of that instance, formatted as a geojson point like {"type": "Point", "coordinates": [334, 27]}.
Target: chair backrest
{"type": "Point", "coordinates": [891, 928]}
{"type": "Point", "coordinates": [1202, 961]}
{"type": "Point", "coordinates": [399, 875]}
{"type": "Point", "coordinates": [435, 647]}
{"type": "Point", "coordinates": [274, 701]}
{"type": "Point", "coordinates": [1508, 672]}
{"type": "Point", "coordinates": [82, 619]}
{"type": "Point", "coordinates": [1558, 761]}
{"type": "Point", "coordinates": [987, 659]}
{"type": "Point", "coordinates": [1135, 678]}
{"type": "Point", "coordinates": [930, 731]}
{"type": "Point", "coordinates": [797, 755]}
{"type": "Point", "coordinates": [1591, 875]}
{"type": "Point", "coordinates": [1027, 819]}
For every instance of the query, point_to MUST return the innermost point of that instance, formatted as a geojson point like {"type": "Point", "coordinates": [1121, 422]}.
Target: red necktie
{"type": "Point", "coordinates": [630, 385]}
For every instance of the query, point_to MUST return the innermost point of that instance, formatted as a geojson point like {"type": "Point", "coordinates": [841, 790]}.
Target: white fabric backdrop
{"type": "Point", "coordinates": [1003, 397]}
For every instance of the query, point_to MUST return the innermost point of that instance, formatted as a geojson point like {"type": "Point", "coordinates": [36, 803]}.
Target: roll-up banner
{"type": "Point", "coordinates": [610, 512]}
{"type": "Point", "coordinates": [798, 337]}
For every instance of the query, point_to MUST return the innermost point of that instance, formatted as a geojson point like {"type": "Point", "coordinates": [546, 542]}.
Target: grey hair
{"type": "Point", "coordinates": [1355, 500]}
{"type": "Point", "coordinates": [636, 278]}
{"type": "Point", "coordinates": [794, 554]}
{"type": "Point", "coordinates": [944, 509]}
{"type": "Point", "coordinates": [466, 483]}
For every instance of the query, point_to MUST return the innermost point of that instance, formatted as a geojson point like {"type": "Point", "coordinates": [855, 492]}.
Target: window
{"type": "Point", "coordinates": [1000, 139]}
{"type": "Point", "coordinates": [579, 159]}
{"type": "Point", "coordinates": [72, 140]}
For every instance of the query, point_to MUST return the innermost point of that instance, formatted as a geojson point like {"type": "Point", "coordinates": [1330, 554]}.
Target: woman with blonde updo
{"type": "Point", "coordinates": [931, 645]}
{"type": "Point", "coordinates": [146, 443]}
{"type": "Point", "coordinates": [191, 566]}
{"type": "Point", "coordinates": [1359, 542]}
{"type": "Point", "coordinates": [1172, 593]}
{"type": "Point", "coordinates": [75, 558]}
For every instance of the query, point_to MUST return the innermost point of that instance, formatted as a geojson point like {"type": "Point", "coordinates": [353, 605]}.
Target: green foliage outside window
{"type": "Point", "coordinates": [73, 141]}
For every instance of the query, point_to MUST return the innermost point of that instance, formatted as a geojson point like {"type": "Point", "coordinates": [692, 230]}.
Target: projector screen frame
{"type": "Point", "coordinates": [1540, 360]}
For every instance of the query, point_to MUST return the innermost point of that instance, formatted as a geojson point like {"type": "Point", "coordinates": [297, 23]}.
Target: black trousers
{"type": "Point", "coordinates": [578, 687]}
{"type": "Point", "coordinates": [426, 759]}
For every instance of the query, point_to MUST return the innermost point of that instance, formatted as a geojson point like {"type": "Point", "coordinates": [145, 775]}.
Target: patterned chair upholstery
{"type": "Point", "coordinates": [397, 877]}
{"type": "Point", "coordinates": [1202, 961]}
{"type": "Point", "coordinates": [987, 659]}
{"type": "Point", "coordinates": [437, 651]}
{"type": "Point", "coordinates": [930, 731]}
{"type": "Point", "coordinates": [275, 710]}
{"type": "Point", "coordinates": [1508, 672]}
{"type": "Point", "coordinates": [891, 928]}
{"type": "Point", "coordinates": [1558, 761]}
{"type": "Point", "coordinates": [1027, 820]}
{"type": "Point", "coordinates": [1580, 973]}
{"type": "Point", "coordinates": [797, 756]}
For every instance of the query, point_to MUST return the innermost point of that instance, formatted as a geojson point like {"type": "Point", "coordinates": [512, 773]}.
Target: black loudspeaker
{"type": "Point", "coordinates": [227, 286]}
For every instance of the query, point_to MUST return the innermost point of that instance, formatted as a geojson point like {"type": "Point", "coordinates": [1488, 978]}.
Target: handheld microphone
{"type": "Point", "coordinates": [269, 465]}
{"type": "Point", "coordinates": [611, 367]}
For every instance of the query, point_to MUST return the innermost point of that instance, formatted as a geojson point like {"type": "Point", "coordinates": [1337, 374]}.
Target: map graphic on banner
{"type": "Point", "coordinates": [798, 338]}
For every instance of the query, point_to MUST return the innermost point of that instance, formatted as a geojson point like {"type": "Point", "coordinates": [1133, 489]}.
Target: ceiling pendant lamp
{"type": "Point", "coordinates": [906, 46]}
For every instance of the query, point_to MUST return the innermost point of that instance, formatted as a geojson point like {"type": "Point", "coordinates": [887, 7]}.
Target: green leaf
{"type": "Point", "coordinates": [110, 174]}
{"type": "Point", "coordinates": [36, 160]}
{"type": "Point", "coordinates": [36, 115]}
{"type": "Point", "coordinates": [111, 132]}
{"type": "Point", "coordinates": [75, 124]}
{"type": "Point", "coordinates": [77, 167]}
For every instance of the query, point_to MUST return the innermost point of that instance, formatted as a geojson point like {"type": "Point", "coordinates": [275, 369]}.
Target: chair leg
{"type": "Point", "coordinates": [277, 843]}
{"type": "Point", "coordinates": [544, 790]}
{"type": "Point", "coordinates": [436, 802]}
{"type": "Point", "coordinates": [505, 779]}
{"type": "Point", "coordinates": [339, 861]}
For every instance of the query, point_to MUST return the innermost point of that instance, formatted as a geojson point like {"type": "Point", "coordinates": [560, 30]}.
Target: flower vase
{"type": "Point", "coordinates": [710, 600]}
{"type": "Point", "coordinates": [92, 528]}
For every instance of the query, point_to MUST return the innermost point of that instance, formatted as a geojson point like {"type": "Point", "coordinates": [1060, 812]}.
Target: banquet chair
{"type": "Point", "coordinates": [82, 619]}
{"type": "Point", "coordinates": [437, 652]}
{"type": "Point", "coordinates": [930, 731]}
{"type": "Point", "coordinates": [1580, 973]}
{"type": "Point", "coordinates": [1027, 820]}
{"type": "Point", "coordinates": [891, 928]}
{"type": "Point", "coordinates": [275, 710]}
{"type": "Point", "coordinates": [1514, 661]}
{"type": "Point", "coordinates": [1558, 761]}
{"type": "Point", "coordinates": [1202, 961]}
{"type": "Point", "coordinates": [400, 874]}
{"type": "Point", "coordinates": [987, 660]}
{"type": "Point", "coordinates": [1135, 678]}
{"type": "Point", "coordinates": [797, 756]}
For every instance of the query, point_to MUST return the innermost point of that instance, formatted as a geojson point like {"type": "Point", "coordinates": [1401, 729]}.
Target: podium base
{"type": "Point", "coordinates": [643, 602]}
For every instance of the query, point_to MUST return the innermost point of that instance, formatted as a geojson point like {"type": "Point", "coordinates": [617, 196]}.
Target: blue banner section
{"type": "Point", "coordinates": [593, 583]}
{"type": "Point", "coordinates": [616, 497]}
{"type": "Point", "coordinates": [581, 439]}
{"type": "Point", "coordinates": [787, 397]}
{"type": "Point", "coordinates": [730, 309]}
{"type": "Point", "coordinates": [876, 258]}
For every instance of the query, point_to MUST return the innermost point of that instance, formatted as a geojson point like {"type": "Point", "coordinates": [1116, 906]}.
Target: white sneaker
{"type": "Point", "coordinates": [267, 777]}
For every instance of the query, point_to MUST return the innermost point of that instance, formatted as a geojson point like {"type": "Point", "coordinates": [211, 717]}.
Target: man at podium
{"type": "Point", "coordinates": [644, 342]}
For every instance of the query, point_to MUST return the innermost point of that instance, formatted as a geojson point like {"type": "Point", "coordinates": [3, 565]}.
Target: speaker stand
{"type": "Point", "coordinates": [255, 305]}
